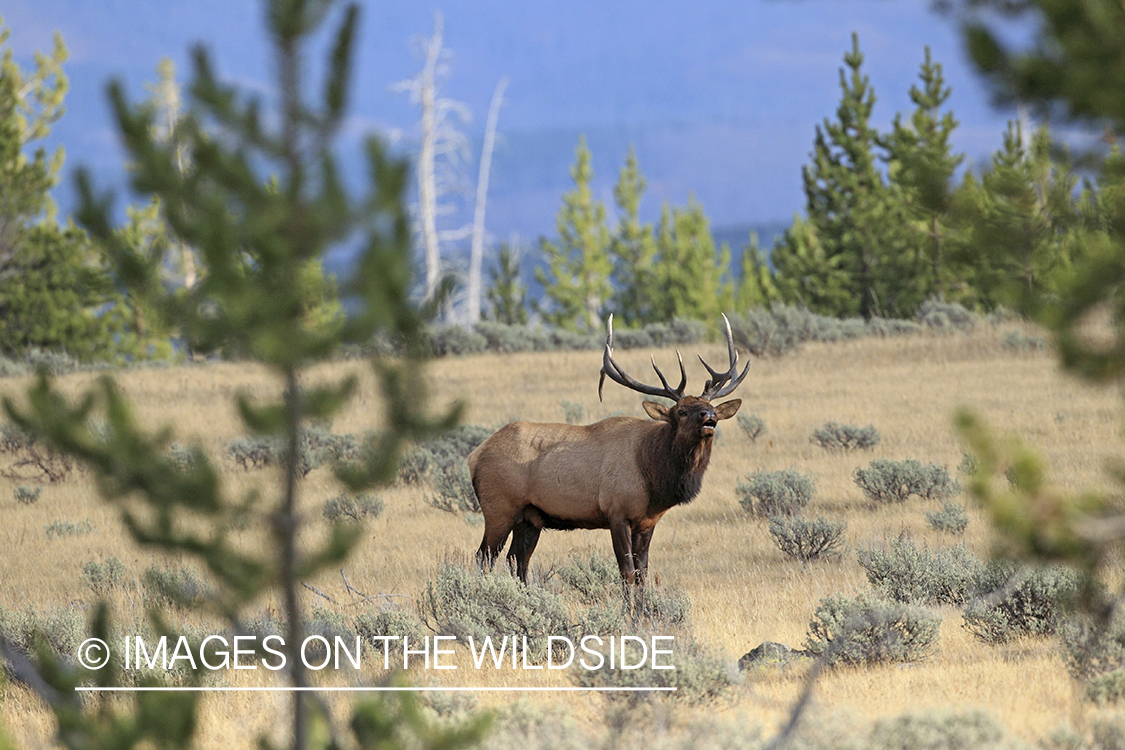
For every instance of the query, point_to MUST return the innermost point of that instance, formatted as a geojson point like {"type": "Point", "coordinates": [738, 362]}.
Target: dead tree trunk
{"type": "Point", "coordinates": [476, 251]}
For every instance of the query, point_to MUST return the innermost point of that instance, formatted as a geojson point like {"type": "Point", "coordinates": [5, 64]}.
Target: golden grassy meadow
{"type": "Point", "coordinates": [743, 589]}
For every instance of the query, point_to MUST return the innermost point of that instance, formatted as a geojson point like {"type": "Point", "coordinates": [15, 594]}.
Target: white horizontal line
{"type": "Point", "coordinates": [167, 689]}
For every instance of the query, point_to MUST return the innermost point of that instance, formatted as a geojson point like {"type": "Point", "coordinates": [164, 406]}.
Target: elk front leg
{"type": "Point", "coordinates": [622, 536]}
{"type": "Point", "coordinates": [641, 541]}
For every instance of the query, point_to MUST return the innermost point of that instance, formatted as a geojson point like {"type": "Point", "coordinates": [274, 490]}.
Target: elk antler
{"type": "Point", "coordinates": [722, 383]}
{"type": "Point", "coordinates": [617, 375]}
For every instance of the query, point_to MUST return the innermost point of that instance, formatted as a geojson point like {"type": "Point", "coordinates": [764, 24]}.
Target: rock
{"type": "Point", "coordinates": [770, 653]}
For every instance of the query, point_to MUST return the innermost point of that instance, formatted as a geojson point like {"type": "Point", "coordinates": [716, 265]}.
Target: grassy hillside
{"type": "Point", "coordinates": [743, 589]}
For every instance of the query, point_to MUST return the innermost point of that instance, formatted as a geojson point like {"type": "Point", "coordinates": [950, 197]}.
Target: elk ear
{"type": "Point", "coordinates": [659, 412]}
{"type": "Point", "coordinates": [728, 409]}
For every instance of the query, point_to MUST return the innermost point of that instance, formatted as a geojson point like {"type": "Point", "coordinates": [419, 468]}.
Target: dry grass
{"type": "Point", "coordinates": [744, 591]}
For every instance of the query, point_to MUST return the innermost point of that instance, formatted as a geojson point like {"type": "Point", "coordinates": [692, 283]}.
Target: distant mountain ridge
{"type": "Point", "coordinates": [737, 238]}
{"type": "Point", "coordinates": [719, 100]}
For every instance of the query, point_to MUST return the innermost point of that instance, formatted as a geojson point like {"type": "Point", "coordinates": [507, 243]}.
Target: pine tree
{"type": "Point", "coordinates": [507, 294]}
{"type": "Point", "coordinates": [921, 166]}
{"type": "Point", "coordinates": [1092, 285]}
{"type": "Point", "coordinates": [632, 249]}
{"type": "Point", "coordinates": [1104, 207]}
{"type": "Point", "coordinates": [1018, 214]}
{"type": "Point", "coordinates": [263, 202]}
{"type": "Point", "coordinates": [577, 282]}
{"type": "Point", "coordinates": [1074, 65]}
{"type": "Point", "coordinates": [805, 274]}
{"type": "Point", "coordinates": [30, 103]}
{"type": "Point", "coordinates": [756, 287]}
{"type": "Point", "coordinates": [59, 298]}
{"type": "Point", "coordinates": [691, 278]}
{"type": "Point", "coordinates": [848, 203]}
{"type": "Point", "coordinates": [55, 289]}
{"type": "Point", "coordinates": [146, 333]}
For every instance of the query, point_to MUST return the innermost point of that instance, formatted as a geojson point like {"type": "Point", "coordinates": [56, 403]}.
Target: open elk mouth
{"type": "Point", "coordinates": [708, 428]}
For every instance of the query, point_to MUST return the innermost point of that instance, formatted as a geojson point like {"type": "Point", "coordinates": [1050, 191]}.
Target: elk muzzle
{"type": "Point", "coordinates": [709, 420]}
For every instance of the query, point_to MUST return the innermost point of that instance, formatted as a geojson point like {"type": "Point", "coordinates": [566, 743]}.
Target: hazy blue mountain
{"type": "Point", "coordinates": [719, 97]}
{"type": "Point", "coordinates": [738, 237]}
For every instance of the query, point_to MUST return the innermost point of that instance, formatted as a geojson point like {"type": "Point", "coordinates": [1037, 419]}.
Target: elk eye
{"type": "Point", "coordinates": [682, 413]}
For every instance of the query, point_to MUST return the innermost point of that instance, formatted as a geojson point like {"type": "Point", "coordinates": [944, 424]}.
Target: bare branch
{"type": "Point", "coordinates": [318, 592]}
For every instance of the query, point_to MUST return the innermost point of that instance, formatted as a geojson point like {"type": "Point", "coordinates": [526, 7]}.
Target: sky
{"type": "Point", "coordinates": [720, 98]}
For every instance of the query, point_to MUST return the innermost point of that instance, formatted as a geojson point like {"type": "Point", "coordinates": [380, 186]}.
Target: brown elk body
{"type": "Point", "coordinates": [621, 474]}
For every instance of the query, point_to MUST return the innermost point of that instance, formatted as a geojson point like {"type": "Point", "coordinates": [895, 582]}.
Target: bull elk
{"type": "Point", "coordinates": [621, 474]}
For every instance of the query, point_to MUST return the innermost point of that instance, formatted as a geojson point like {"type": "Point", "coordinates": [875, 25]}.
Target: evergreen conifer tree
{"type": "Point", "coordinates": [1019, 214]}
{"type": "Point", "coordinates": [756, 287]}
{"type": "Point", "coordinates": [507, 294]}
{"type": "Point", "coordinates": [57, 299]}
{"type": "Point", "coordinates": [1073, 64]}
{"type": "Point", "coordinates": [632, 249]}
{"type": "Point", "coordinates": [55, 290]}
{"type": "Point", "coordinates": [848, 203]}
{"type": "Point", "coordinates": [921, 167]}
{"type": "Point", "coordinates": [263, 201]}
{"type": "Point", "coordinates": [1103, 207]}
{"type": "Point", "coordinates": [806, 274]}
{"type": "Point", "coordinates": [691, 279]}
{"type": "Point", "coordinates": [30, 103]}
{"type": "Point", "coordinates": [577, 280]}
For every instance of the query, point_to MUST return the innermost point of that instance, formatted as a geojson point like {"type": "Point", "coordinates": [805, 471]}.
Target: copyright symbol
{"type": "Point", "coordinates": [93, 653]}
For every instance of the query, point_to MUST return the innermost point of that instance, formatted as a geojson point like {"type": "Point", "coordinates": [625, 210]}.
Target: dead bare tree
{"type": "Point", "coordinates": [443, 150]}
{"type": "Point", "coordinates": [476, 251]}
{"type": "Point", "coordinates": [167, 98]}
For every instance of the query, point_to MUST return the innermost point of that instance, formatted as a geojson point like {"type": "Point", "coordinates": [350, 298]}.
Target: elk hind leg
{"type": "Point", "coordinates": [525, 535]}
{"type": "Point", "coordinates": [495, 536]}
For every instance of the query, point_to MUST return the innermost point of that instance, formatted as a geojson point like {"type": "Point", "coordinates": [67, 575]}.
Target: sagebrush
{"type": "Point", "coordinates": [807, 539]}
{"type": "Point", "coordinates": [466, 603]}
{"type": "Point", "coordinates": [1015, 601]}
{"type": "Point", "coordinates": [845, 437]}
{"type": "Point", "coordinates": [952, 518]}
{"type": "Point", "coordinates": [905, 572]}
{"type": "Point", "coordinates": [752, 425]}
{"type": "Point", "coordinates": [887, 481]}
{"type": "Point", "coordinates": [864, 629]}
{"type": "Point", "coordinates": [775, 493]}
{"type": "Point", "coordinates": [345, 507]}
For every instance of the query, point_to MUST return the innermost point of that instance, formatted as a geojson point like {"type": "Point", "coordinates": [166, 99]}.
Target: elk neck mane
{"type": "Point", "coordinates": [672, 466]}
